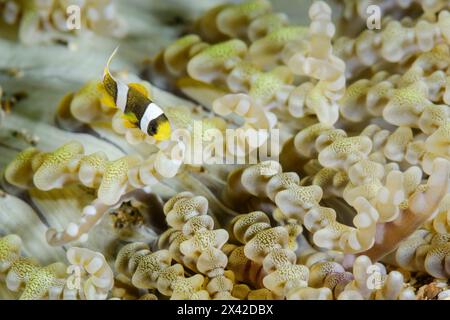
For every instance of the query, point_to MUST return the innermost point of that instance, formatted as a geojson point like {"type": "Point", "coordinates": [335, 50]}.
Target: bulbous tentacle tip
{"type": "Point", "coordinates": [425, 201]}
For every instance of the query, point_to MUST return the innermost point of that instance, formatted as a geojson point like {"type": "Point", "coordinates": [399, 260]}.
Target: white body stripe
{"type": "Point", "coordinates": [122, 93]}
{"type": "Point", "coordinates": [153, 111]}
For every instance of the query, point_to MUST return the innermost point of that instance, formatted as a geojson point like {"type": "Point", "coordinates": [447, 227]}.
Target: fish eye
{"type": "Point", "coordinates": [152, 129]}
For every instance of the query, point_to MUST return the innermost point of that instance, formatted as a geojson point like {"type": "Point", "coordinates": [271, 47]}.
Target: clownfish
{"type": "Point", "coordinates": [139, 111]}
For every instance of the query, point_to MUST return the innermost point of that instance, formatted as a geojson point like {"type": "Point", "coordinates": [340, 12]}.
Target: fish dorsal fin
{"type": "Point", "coordinates": [141, 89]}
{"type": "Point", "coordinates": [106, 70]}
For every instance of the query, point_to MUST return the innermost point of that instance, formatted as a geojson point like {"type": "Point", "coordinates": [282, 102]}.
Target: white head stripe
{"type": "Point", "coordinates": [152, 112]}
{"type": "Point", "coordinates": [122, 93]}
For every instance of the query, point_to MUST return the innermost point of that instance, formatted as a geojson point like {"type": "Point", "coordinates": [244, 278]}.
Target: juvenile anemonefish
{"type": "Point", "coordinates": [139, 111]}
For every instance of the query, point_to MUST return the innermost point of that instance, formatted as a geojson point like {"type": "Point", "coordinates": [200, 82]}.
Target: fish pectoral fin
{"type": "Point", "coordinates": [141, 89]}
{"type": "Point", "coordinates": [127, 124]}
{"type": "Point", "coordinates": [129, 120]}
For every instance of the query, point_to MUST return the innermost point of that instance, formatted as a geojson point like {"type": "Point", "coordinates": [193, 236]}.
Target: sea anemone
{"type": "Point", "coordinates": [305, 161]}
